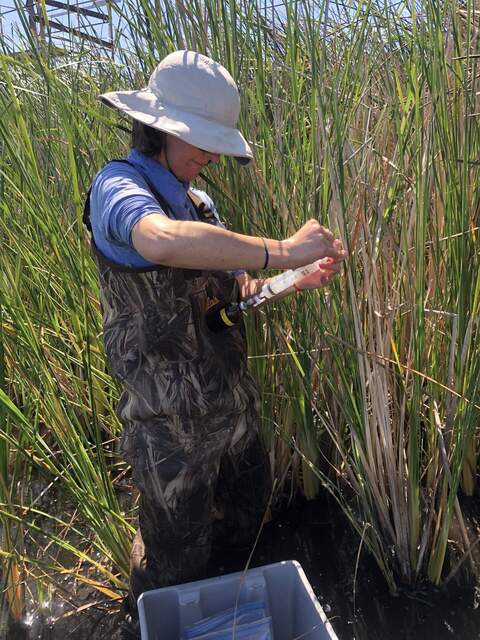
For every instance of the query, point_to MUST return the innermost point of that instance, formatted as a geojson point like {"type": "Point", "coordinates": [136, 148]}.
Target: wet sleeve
{"type": "Point", "coordinates": [121, 198]}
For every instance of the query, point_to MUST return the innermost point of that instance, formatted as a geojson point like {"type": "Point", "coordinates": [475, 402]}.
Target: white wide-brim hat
{"type": "Point", "coordinates": [193, 98]}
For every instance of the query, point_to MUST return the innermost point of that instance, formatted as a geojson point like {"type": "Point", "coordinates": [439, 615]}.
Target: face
{"type": "Point", "coordinates": [185, 160]}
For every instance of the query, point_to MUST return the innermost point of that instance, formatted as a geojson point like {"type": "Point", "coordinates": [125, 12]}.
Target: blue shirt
{"type": "Point", "coordinates": [120, 197]}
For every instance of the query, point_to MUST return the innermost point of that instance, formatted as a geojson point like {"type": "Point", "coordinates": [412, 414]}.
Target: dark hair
{"type": "Point", "coordinates": [147, 140]}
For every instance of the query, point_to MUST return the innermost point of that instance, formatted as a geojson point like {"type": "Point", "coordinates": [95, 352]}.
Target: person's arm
{"type": "Point", "coordinates": [198, 245]}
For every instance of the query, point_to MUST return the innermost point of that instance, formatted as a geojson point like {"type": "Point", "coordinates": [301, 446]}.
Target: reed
{"type": "Point", "coordinates": [364, 115]}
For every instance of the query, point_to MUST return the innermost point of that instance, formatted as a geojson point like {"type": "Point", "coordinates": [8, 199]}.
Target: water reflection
{"type": "Point", "coordinates": [324, 545]}
{"type": "Point", "coordinates": [86, 624]}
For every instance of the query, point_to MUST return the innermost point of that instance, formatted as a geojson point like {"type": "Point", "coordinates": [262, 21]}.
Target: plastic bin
{"type": "Point", "coordinates": [283, 586]}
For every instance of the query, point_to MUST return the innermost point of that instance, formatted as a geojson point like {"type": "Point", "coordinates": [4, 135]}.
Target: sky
{"type": "Point", "coordinates": [8, 17]}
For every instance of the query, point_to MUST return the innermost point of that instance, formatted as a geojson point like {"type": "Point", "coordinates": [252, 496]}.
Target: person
{"type": "Point", "coordinates": [189, 407]}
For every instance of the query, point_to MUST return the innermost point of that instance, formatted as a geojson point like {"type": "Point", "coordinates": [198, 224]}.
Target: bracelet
{"type": "Point", "coordinates": [267, 255]}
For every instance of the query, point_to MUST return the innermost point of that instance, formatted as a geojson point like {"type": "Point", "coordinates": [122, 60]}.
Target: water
{"type": "Point", "coordinates": [321, 540]}
{"type": "Point", "coordinates": [318, 537]}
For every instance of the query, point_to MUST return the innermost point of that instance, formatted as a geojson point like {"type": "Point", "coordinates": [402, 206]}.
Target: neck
{"type": "Point", "coordinates": [162, 158]}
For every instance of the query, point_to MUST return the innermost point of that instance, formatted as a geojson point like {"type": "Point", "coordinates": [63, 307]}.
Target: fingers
{"type": "Point", "coordinates": [324, 231]}
{"type": "Point", "coordinates": [312, 242]}
{"type": "Point", "coordinates": [327, 233]}
{"type": "Point", "coordinates": [327, 274]}
{"type": "Point", "coordinates": [329, 264]}
{"type": "Point", "coordinates": [326, 280]}
{"type": "Point", "coordinates": [337, 254]}
{"type": "Point", "coordinates": [338, 246]}
{"type": "Point", "coordinates": [327, 270]}
{"type": "Point", "coordinates": [336, 250]}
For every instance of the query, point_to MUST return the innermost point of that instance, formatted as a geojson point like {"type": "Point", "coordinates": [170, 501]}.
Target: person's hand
{"type": "Point", "coordinates": [313, 242]}
{"type": "Point", "coordinates": [322, 277]}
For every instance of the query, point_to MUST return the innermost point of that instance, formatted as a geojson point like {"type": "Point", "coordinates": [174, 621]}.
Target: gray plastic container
{"type": "Point", "coordinates": [283, 586]}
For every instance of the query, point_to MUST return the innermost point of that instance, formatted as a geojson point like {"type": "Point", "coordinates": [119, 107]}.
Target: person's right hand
{"type": "Point", "coordinates": [313, 242]}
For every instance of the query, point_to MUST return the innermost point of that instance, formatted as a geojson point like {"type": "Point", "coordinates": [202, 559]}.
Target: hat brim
{"type": "Point", "coordinates": [143, 105]}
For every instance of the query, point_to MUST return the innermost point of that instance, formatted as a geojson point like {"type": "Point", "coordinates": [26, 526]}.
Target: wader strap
{"type": "Point", "coordinates": [204, 213]}
{"type": "Point", "coordinates": [158, 196]}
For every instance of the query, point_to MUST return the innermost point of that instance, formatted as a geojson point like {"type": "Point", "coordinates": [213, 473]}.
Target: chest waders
{"type": "Point", "coordinates": [189, 414]}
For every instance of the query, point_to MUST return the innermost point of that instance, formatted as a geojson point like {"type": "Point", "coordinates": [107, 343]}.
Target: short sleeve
{"type": "Point", "coordinates": [120, 197]}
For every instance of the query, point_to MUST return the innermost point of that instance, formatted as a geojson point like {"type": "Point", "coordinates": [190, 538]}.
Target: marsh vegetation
{"type": "Point", "coordinates": [362, 114]}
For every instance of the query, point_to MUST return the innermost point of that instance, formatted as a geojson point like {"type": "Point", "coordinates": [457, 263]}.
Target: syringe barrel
{"type": "Point", "coordinates": [285, 280]}
{"type": "Point", "coordinates": [280, 283]}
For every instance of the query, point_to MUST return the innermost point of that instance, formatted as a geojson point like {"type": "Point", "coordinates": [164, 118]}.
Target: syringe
{"type": "Point", "coordinates": [224, 315]}
{"type": "Point", "coordinates": [279, 284]}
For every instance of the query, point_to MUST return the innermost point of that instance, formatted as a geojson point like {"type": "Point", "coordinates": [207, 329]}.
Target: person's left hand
{"type": "Point", "coordinates": [322, 277]}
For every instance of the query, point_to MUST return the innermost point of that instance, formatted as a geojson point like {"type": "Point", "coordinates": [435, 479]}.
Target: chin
{"type": "Point", "coordinates": [182, 177]}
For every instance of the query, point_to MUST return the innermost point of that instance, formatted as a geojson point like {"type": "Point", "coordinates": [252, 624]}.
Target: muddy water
{"type": "Point", "coordinates": [320, 539]}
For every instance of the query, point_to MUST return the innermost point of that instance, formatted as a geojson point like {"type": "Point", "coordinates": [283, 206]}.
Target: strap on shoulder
{"type": "Point", "coordinates": [197, 202]}
{"type": "Point", "coordinates": [156, 194]}
{"type": "Point", "coordinates": [204, 213]}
